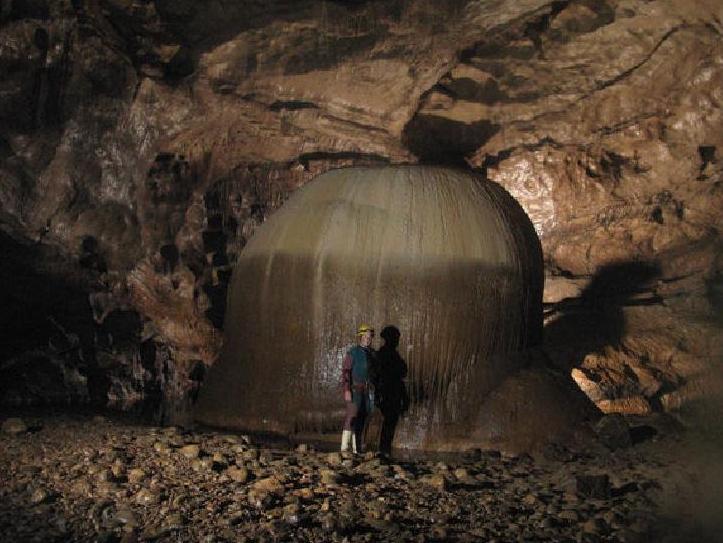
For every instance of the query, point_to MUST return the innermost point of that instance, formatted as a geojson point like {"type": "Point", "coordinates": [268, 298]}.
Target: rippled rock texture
{"type": "Point", "coordinates": [141, 143]}
{"type": "Point", "coordinates": [448, 260]}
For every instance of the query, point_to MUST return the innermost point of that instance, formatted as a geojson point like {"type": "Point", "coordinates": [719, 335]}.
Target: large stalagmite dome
{"type": "Point", "coordinates": [450, 260]}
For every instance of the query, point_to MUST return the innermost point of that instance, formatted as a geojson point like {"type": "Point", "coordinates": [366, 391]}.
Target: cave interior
{"type": "Point", "coordinates": [144, 142]}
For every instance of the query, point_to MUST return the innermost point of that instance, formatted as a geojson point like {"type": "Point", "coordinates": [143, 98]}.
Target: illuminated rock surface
{"type": "Point", "coordinates": [450, 261]}
{"type": "Point", "coordinates": [142, 143]}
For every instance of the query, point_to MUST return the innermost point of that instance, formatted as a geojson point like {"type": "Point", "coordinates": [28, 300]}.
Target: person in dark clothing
{"type": "Point", "coordinates": [391, 391]}
{"type": "Point", "coordinates": [357, 376]}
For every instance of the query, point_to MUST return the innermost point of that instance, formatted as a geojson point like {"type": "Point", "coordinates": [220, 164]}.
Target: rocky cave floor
{"type": "Point", "coordinates": [94, 478]}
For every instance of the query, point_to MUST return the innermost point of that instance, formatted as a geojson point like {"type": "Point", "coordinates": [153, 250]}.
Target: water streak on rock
{"type": "Point", "coordinates": [448, 259]}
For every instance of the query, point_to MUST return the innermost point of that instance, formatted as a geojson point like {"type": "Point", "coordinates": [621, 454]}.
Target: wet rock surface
{"type": "Point", "coordinates": [142, 143]}
{"type": "Point", "coordinates": [79, 479]}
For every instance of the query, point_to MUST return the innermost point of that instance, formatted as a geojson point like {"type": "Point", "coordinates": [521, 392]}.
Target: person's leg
{"type": "Point", "coordinates": [359, 398]}
{"type": "Point", "coordinates": [347, 433]}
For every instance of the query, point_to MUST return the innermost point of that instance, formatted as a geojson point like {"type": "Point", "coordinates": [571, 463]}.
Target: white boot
{"type": "Point", "coordinates": [353, 443]}
{"type": "Point", "coordinates": [346, 439]}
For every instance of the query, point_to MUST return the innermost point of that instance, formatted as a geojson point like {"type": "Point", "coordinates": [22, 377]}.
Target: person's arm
{"type": "Point", "coordinates": [346, 377]}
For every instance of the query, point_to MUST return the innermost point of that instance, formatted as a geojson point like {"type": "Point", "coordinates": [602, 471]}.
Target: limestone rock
{"type": "Point", "coordinates": [142, 144]}
{"type": "Point", "coordinates": [124, 515]}
{"type": "Point", "coordinates": [269, 484]}
{"type": "Point", "coordinates": [437, 481]}
{"type": "Point", "coordinates": [146, 497]}
{"type": "Point", "coordinates": [614, 432]}
{"type": "Point", "coordinates": [136, 475]}
{"type": "Point", "coordinates": [190, 451]}
{"type": "Point", "coordinates": [592, 492]}
{"type": "Point", "coordinates": [334, 458]}
{"type": "Point", "coordinates": [328, 477]}
{"type": "Point", "coordinates": [161, 447]}
{"type": "Point", "coordinates": [238, 474]}
{"type": "Point", "coordinates": [593, 485]}
{"type": "Point", "coordinates": [39, 496]}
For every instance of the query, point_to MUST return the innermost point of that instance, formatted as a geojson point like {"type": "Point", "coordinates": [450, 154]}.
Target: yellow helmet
{"type": "Point", "coordinates": [363, 329]}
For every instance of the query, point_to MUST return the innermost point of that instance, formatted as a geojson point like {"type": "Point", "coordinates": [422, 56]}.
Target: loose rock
{"type": "Point", "coordinates": [593, 486]}
{"type": "Point", "coordinates": [190, 451]}
{"type": "Point", "coordinates": [614, 432]}
{"type": "Point", "coordinates": [136, 475]}
{"type": "Point", "coordinates": [240, 475]}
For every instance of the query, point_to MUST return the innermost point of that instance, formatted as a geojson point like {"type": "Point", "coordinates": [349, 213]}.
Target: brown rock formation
{"type": "Point", "coordinates": [142, 142]}
{"type": "Point", "coordinates": [452, 263]}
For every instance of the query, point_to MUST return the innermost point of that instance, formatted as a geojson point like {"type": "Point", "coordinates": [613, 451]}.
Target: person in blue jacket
{"type": "Point", "coordinates": [357, 378]}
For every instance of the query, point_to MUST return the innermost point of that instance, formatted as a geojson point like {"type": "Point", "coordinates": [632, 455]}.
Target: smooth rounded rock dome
{"type": "Point", "coordinates": [448, 259]}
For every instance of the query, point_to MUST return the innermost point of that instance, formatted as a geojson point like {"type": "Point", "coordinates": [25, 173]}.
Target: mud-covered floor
{"type": "Point", "coordinates": [84, 478]}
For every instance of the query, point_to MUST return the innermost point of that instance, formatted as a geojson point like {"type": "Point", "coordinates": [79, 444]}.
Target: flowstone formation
{"type": "Point", "coordinates": [449, 260]}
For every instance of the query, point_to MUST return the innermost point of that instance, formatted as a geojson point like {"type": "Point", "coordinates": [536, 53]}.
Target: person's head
{"type": "Point", "coordinates": [365, 333]}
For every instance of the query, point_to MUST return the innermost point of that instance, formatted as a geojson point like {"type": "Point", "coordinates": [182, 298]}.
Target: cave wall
{"type": "Point", "coordinates": [142, 142]}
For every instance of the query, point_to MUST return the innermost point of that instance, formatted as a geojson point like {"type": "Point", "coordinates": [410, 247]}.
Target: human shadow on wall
{"type": "Point", "coordinates": [595, 319]}
{"type": "Point", "coordinates": [391, 390]}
